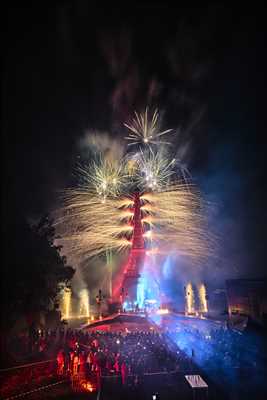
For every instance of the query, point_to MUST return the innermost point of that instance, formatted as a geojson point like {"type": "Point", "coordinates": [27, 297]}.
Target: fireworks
{"type": "Point", "coordinates": [89, 226]}
{"type": "Point", "coordinates": [172, 221]}
{"type": "Point", "coordinates": [176, 218]}
{"type": "Point", "coordinates": [106, 177]}
{"type": "Point", "coordinates": [155, 171]}
{"type": "Point", "coordinates": [144, 130]}
{"type": "Point", "coordinates": [98, 214]}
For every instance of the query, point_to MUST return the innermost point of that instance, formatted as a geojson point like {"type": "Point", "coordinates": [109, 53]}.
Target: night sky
{"type": "Point", "coordinates": [71, 68]}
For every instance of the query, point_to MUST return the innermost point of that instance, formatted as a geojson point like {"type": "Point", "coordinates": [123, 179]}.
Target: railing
{"type": "Point", "coordinates": [26, 377]}
{"type": "Point", "coordinates": [39, 389]}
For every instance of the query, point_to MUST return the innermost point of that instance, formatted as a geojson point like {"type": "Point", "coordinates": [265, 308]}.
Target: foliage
{"type": "Point", "coordinates": [33, 269]}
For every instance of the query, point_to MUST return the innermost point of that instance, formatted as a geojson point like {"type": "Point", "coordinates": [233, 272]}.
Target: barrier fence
{"type": "Point", "coordinates": [23, 378]}
{"type": "Point", "coordinates": [23, 394]}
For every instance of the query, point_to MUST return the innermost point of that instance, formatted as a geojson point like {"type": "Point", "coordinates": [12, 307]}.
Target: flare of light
{"type": "Point", "coordinates": [202, 298]}
{"type": "Point", "coordinates": [66, 303]}
{"type": "Point", "coordinates": [88, 386]}
{"type": "Point", "coordinates": [189, 298]}
{"type": "Point", "coordinates": [148, 235]}
{"type": "Point", "coordinates": [84, 303]}
{"type": "Point", "coordinates": [145, 129]}
{"type": "Point", "coordinates": [162, 311]}
{"type": "Point", "coordinates": [140, 295]}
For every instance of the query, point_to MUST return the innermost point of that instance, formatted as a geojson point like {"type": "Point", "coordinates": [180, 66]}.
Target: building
{"type": "Point", "coordinates": [247, 297]}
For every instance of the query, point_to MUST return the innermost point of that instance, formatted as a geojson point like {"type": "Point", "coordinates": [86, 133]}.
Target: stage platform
{"type": "Point", "coordinates": [134, 322]}
{"type": "Point", "coordinates": [123, 322]}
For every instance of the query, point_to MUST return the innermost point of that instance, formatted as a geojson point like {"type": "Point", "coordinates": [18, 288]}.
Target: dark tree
{"type": "Point", "coordinates": [33, 269]}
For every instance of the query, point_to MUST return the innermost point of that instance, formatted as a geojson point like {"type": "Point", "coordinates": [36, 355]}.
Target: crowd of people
{"type": "Point", "coordinates": [143, 351]}
{"type": "Point", "coordinates": [133, 354]}
{"type": "Point", "coordinates": [221, 348]}
{"type": "Point", "coordinates": [131, 357]}
{"type": "Point", "coordinates": [34, 343]}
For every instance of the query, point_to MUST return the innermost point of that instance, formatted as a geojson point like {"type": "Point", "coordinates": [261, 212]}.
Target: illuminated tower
{"type": "Point", "coordinates": [136, 256]}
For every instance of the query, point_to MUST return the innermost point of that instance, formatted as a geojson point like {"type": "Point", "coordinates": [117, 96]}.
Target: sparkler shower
{"type": "Point", "coordinates": [66, 303]}
{"type": "Point", "coordinates": [101, 212]}
{"type": "Point", "coordinates": [84, 303]}
{"type": "Point", "coordinates": [202, 298]}
{"type": "Point", "coordinates": [190, 300]}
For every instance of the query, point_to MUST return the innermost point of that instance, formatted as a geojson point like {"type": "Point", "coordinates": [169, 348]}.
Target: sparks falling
{"type": "Point", "coordinates": [172, 220]}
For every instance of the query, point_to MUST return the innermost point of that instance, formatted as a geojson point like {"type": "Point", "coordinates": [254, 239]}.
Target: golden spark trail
{"type": "Point", "coordinates": [179, 224]}
{"type": "Point", "coordinates": [89, 226]}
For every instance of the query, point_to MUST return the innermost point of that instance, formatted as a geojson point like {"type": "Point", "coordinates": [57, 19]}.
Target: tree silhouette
{"type": "Point", "coordinates": [34, 271]}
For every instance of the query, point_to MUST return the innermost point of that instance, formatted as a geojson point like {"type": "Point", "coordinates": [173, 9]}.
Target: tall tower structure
{"type": "Point", "coordinates": [136, 256]}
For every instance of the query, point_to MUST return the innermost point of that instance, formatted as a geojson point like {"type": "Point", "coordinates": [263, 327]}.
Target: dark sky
{"type": "Point", "coordinates": [71, 67]}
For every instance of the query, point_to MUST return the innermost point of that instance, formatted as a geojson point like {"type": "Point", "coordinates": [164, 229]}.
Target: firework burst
{"type": "Point", "coordinates": [108, 178]}
{"type": "Point", "coordinates": [145, 130]}
{"type": "Point", "coordinates": [155, 170]}
{"type": "Point", "coordinates": [98, 214]}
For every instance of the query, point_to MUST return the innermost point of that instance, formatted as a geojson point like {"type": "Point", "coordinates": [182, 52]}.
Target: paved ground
{"type": "Point", "coordinates": [59, 391]}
